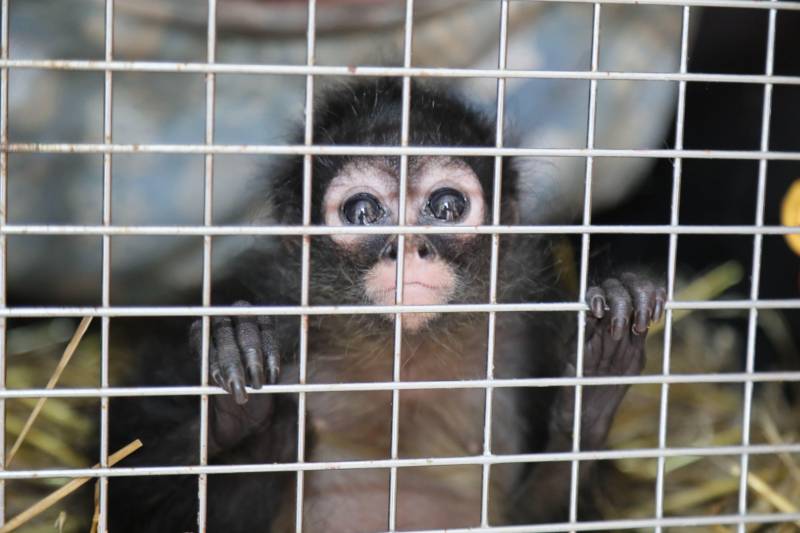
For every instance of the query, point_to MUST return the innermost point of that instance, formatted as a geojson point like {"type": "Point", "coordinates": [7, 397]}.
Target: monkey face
{"type": "Point", "coordinates": [436, 268]}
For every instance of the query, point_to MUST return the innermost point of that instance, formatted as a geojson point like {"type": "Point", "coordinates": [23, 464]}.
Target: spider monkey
{"type": "Point", "coordinates": [256, 351]}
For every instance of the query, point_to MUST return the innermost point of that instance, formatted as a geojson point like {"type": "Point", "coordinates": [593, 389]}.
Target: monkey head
{"type": "Point", "coordinates": [361, 190]}
{"type": "Point", "coordinates": [436, 268]}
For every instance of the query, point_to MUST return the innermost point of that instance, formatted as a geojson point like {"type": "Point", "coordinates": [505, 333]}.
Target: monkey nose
{"type": "Point", "coordinates": [390, 250]}
{"type": "Point", "coordinates": [423, 249]}
{"type": "Point", "coordinates": [413, 245]}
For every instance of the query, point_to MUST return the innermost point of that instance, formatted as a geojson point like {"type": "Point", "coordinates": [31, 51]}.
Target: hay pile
{"type": "Point", "coordinates": [698, 415]}
{"type": "Point", "coordinates": [708, 414]}
{"type": "Point", "coordinates": [62, 433]}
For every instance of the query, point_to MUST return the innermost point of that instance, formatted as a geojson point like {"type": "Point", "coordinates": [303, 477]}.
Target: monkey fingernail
{"type": "Point", "coordinates": [255, 368]}
{"type": "Point", "coordinates": [217, 377]}
{"type": "Point", "coordinates": [256, 377]}
{"type": "Point", "coordinates": [640, 322]}
{"type": "Point", "coordinates": [618, 327]}
{"type": "Point", "coordinates": [659, 308]}
{"type": "Point", "coordinates": [598, 307]}
{"type": "Point", "coordinates": [273, 366]}
{"type": "Point", "coordinates": [237, 389]}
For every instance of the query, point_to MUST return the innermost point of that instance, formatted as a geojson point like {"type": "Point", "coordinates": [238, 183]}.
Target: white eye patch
{"type": "Point", "coordinates": [430, 175]}
{"type": "Point", "coordinates": [354, 179]}
{"type": "Point", "coordinates": [440, 173]}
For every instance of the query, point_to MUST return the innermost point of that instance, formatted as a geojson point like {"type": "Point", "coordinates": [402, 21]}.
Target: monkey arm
{"type": "Point", "coordinates": [543, 495]}
{"type": "Point", "coordinates": [261, 431]}
{"type": "Point", "coordinates": [170, 503]}
{"type": "Point", "coordinates": [621, 311]}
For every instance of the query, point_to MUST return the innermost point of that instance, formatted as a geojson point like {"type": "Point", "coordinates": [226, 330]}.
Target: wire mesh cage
{"type": "Point", "coordinates": [665, 138]}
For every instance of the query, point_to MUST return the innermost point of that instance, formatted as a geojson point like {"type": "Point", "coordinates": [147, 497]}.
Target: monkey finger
{"type": "Point", "coordinates": [247, 334]}
{"type": "Point", "coordinates": [196, 336]}
{"type": "Point", "coordinates": [196, 344]}
{"type": "Point", "coordinates": [229, 359]}
{"type": "Point", "coordinates": [216, 372]}
{"type": "Point", "coordinates": [213, 367]}
{"type": "Point", "coordinates": [660, 304]}
{"type": "Point", "coordinates": [596, 302]}
{"type": "Point", "coordinates": [621, 307]}
{"type": "Point", "coordinates": [593, 326]}
{"type": "Point", "coordinates": [642, 292]}
{"type": "Point", "coordinates": [269, 346]}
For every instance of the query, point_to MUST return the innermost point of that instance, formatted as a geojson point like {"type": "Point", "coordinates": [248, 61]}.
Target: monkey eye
{"type": "Point", "coordinates": [447, 204]}
{"type": "Point", "coordinates": [362, 209]}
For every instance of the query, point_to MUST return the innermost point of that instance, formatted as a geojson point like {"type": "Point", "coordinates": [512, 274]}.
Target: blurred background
{"type": "Point", "coordinates": [169, 108]}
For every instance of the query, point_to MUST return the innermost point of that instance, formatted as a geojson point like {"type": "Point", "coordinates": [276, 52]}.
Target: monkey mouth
{"type": "Point", "coordinates": [414, 293]}
{"type": "Point", "coordinates": [430, 283]}
{"type": "Point", "coordinates": [393, 288]}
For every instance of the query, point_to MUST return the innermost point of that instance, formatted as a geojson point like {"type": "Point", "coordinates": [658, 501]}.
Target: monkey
{"type": "Point", "coordinates": [248, 354]}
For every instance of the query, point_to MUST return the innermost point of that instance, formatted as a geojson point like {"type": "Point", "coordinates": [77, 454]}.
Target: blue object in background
{"type": "Point", "coordinates": [166, 189]}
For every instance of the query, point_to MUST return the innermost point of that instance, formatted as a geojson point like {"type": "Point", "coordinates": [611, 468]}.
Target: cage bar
{"type": "Point", "coordinates": [144, 311]}
{"type": "Point", "coordinates": [256, 149]}
{"type": "Point", "coordinates": [759, 377]}
{"type": "Point", "coordinates": [3, 242]}
{"type": "Point", "coordinates": [671, 264]}
{"type": "Point", "coordinates": [502, 60]}
{"type": "Point", "coordinates": [32, 229]}
{"type": "Point", "coordinates": [584, 265]}
{"type": "Point", "coordinates": [413, 72]}
{"type": "Point", "coordinates": [208, 230]}
{"type": "Point", "coordinates": [208, 210]}
{"type": "Point", "coordinates": [549, 457]}
{"type": "Point", "coordinates": [308, 139]}
{"type": "Point", "coordinates": [405, 119]}
{"type": "Point", "coordinates": [108, 104]}
{"type": "Point", "coordinates": [752, 319]}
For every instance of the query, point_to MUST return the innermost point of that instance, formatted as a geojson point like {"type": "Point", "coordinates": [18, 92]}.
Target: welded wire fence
{"type": "Point", "coordinates": [109, 66]}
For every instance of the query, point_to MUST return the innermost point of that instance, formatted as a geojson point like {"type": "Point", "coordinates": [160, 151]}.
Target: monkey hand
{"type": "Point", "coordinates": [243, 351]}
{"type": "Point", "coordinates": [620, 313]}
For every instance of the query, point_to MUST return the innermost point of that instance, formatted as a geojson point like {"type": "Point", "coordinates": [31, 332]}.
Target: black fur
{"type": "Point", "coordinates": [264, 430]}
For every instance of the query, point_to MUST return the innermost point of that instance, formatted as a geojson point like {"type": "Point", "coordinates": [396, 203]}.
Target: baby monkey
{"type": "Point", "coordinates": [254, 351]}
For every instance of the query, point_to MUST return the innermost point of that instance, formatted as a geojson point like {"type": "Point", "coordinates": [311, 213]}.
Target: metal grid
{"type": "Point", "coordinates": [586, 229]}
{"type": "Point", "coordinates": [3, 240]}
